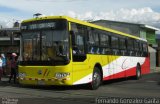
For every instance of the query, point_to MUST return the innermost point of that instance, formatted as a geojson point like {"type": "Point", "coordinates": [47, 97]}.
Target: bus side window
{"type": "Point", "coordinates": [145, 50]}
{"type": "Point", "coordinates": [141, 49]}
{"type": "Point", "coordinates": [76, 50]}
{"type": "Point", "coordinates": [130, 47]}
{"type": "Point", "coordinates": [136, 47]}
{"type": "Point", "coordinates": [79, 46]}
{"type": "Point", "coordinates": [104, 43]}
{"type": "Point", "coordinates": [122, 46]}
{"type": "Point", "coordinates": [114, 45]}
{"type": "Point", "coordinates": [93, 42]}
{"type": "Point", "coordinates": [78, 33]}
{"type": "Point", "coordinates": [91, 49]}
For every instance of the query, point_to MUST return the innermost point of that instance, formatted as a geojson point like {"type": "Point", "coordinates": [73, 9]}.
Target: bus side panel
{"type": "Point", "coordinates": [125, 66]}
{"type": "Point", "coordinates": [114, 67]}
{"type": "Point", "coordinates": [108, 66]}
{"type": "Point", "coordinates": [145, 67]}
{"type": "Point", "coordinates": [132, 64]}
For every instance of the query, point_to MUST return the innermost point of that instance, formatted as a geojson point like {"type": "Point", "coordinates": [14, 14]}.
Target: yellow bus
{"type": "Point", "coordinates": [59, 50]}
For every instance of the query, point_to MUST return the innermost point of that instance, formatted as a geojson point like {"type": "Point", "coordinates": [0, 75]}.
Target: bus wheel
{"type": "Point", "coordinates": [96, 79]}
{"type": "Point", "coordinates": [138, 72]}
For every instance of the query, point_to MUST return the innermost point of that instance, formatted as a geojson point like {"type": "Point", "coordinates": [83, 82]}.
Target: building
{"type": "Point", "coordinates": [140, 30]}
{"type": "Point", "coordinates": [9, 40]}
{"type": "Point", "coordinates": [158, 50]}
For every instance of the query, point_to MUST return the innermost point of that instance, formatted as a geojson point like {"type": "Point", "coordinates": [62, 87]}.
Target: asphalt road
{"type": "Point", "coordinates": [148, 87]}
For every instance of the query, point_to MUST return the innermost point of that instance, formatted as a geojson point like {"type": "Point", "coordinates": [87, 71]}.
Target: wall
{"type": "Point", "coordinates": [151, 37]}
{"type": "Point", "coordinates": [152, 53]}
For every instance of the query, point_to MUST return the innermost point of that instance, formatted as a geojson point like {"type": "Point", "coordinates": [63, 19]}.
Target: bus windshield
{"type": "Point", "coordinates": [48, 46]}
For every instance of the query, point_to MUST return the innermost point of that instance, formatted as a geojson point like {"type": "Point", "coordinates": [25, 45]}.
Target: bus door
{"type": "Point", "coordinates": [79, 58]}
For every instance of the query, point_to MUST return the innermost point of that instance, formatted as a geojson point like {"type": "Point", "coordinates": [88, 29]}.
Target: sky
{"type": "Point", "coordinates": [134, 11]}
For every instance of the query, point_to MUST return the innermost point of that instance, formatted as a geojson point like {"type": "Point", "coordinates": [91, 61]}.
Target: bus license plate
{"type": "Point", "coordinates": [41, 83]}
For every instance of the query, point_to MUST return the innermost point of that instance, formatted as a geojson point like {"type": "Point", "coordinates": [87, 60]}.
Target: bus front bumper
{"type": "Point", "coordinates": [42, 81]}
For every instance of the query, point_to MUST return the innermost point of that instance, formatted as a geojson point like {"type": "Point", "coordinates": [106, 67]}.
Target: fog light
{"type": "Point", "coordinates": [21, 75]}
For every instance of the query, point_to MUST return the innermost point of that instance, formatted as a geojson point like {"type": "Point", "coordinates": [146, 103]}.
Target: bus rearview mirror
{"type": "Point", "coordinates": [72, 33]}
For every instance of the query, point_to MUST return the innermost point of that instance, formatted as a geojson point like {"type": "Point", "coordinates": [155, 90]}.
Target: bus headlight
{"type": "Point", "coordinates": [21, 75]}
{"type": "Point", "coordinates": [61, 75]}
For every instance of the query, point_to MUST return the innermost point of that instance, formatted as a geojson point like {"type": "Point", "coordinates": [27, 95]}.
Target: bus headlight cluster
{"type": "Point", "coordinates": [21, 75]}
{"type": "Point", "coordinates": [61, 75]}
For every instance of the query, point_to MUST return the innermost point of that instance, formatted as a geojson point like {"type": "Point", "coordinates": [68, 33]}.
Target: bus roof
{"type": "Point", "coordinates": [83, 23]}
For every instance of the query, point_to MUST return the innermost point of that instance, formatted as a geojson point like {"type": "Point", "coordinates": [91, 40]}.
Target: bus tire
{"type": "Point", "coordinates": [96, 79]}
{"type": "Point", "coordinates": [138, 72]}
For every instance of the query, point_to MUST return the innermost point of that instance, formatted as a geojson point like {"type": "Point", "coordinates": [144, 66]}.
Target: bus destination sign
{"type": "Point", "coordinates": [35, 26]}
